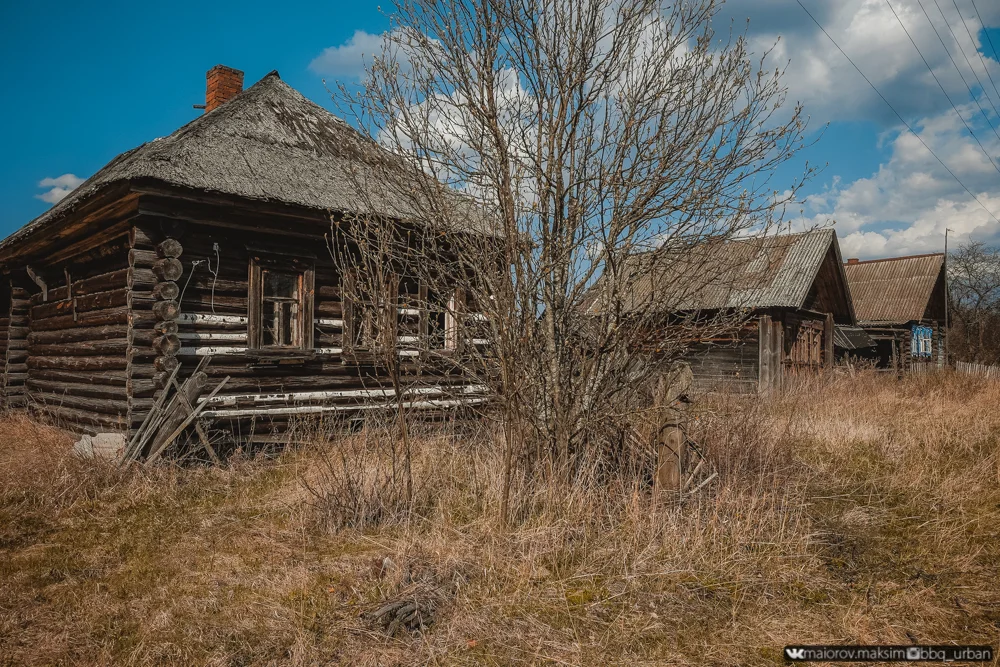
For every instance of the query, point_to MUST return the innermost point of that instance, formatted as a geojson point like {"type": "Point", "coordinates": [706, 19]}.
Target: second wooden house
{"type": "Point", "coordinates": [786, 292]}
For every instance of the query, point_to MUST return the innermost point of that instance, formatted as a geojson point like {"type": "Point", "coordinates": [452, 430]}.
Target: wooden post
{"type": "Point", "coordinates": [764, 354]}
{"type": "Point", "coordinates": [669, 439]}
{"type": "Point", "coordinates": [828, 341]}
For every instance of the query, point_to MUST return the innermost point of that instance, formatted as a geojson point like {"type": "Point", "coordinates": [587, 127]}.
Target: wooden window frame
{"type": "Point", "coordinates": [386, 335]}
{"type": "Point", "coordinates": [306, 268]}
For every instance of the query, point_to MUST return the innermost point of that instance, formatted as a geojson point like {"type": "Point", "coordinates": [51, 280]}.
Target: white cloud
{"type": "Point", "coordinates": [819, 76]}
{"type": "Point", "coordinates": [59, 187]}
{"type": "Point", "coordinates": [905, 206]}
{"type": "Point", "coordinates": [348, 60]}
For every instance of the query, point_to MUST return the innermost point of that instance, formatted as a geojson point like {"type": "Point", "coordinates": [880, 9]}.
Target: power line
{"type": "Point", "coordinates": [988, 39]}
{"type": "Point", "coordinates": [901, 119]}
{"type": "Point", "coordinates": [957, 68]}
{"type": "Point", "coordinates": [978, 53]}
{"type": "Point", "coordinates": [941, 86]}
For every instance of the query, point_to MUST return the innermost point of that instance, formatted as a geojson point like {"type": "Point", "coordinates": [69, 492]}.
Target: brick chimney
{"type": "Point", "coordinates": [224, 83]}
{"type": "Point", "coordinates": [852, 260]}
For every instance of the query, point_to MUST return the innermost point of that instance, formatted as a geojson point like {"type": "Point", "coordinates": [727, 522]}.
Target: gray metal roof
{"type": "Point", "coordinates": [268, 143]}
{"type": "Point", "coordinates": [897, 290]}
{"type": "Point", "coordinates": [775, 271]}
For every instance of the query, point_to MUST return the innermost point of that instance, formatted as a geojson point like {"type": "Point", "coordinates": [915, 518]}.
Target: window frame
{"type": "Point", "coordinates": [305, 267]}
{"type": "Point", "coordinates": [385, 318]}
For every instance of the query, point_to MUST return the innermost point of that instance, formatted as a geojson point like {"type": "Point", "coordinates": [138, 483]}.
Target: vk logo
{"type": "Point", "coordinates": [795, 653]}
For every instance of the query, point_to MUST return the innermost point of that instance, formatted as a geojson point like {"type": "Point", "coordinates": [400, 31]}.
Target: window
{"type": "Point", "coordinates": [366, 315]}
{"type": "Point", "coordinates": [920, 345]}
{"type": "Point", "coordinates": [281, 303]}
{"type": "Point", "coordinates": [442, 319]}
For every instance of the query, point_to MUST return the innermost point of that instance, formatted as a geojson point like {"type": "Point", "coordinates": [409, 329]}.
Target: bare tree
{"type": "Point", "coordinates": [974, 300]}
{"type": "Point", "coordinates": [579, 134]}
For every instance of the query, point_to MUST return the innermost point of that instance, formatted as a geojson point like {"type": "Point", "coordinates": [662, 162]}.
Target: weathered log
{"type": "Point", "coordinates": [14, 369]}
{"type": "Point", "coordinates": [141, 238]}
{"type": "Point", "coordinates": [166, 291]}
{"type": "Point", "coordinates": [81, 348]}
{"type": "Point", "coordinates": [167, 345]}
{"type": "Point", "coordinates": [143, 387]}
{"type": "Point", "coordinates": [166, 327]}
{"type": "Point", "coordinates": [78, 389]}
{"type": "Point", "coordinates": [79, 363]}
{"type": "Point", "coordinates": [165, 364]}
{"type": "Point", "coordinates": [16, 356]}
{"type": "Point", "coordinates": [77, 334]}
{"type": "Point", "coordinates": [142, 258]}
{"type": "Point", "coordinates": [193, 299]}
{"type": "Point", "coordinates": [144, 371]}
{"type": "Point", "coordinates": [109, 316]}
{"type": "Point", "coordinates": [83, 304]}
{"type": "Point", "coordinates": [108, 406]}
{"type": "Point", "coordinates": [166, 310]}
{"type": "Point", "coordinates": [169, 248]}
{"type": "Point", "coordinates": [115, 378]}
{"type": "Point", "coordinates": [104, 282]}
{"type": "Point", "coordinates": [142, 279]}
{"type": "Point", "coordinates": [74, 416]}
{"type": "Point", "coordinates": [168, 269]}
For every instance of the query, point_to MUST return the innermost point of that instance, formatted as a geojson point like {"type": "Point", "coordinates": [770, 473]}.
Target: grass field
{"type": "Point", "coordinates": [853, 510]}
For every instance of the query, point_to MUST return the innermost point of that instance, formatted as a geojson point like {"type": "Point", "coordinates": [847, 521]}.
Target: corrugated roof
{"type": "Point", "coordinates": [894, 290]}
{"type": "Point", "coordinates": [268, 143]}
{"type": "Point", "coordinates": [774, 271]}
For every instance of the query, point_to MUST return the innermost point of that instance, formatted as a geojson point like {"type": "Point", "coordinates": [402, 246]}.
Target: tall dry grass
{"type": "Point", "coordinates": [850, 509]}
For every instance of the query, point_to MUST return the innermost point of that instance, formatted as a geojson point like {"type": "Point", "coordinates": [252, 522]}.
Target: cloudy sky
{"type": "Point", "coordinates": [85, 84]}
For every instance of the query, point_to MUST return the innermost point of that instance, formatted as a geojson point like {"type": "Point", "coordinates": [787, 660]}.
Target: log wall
{"type": "Point", "coordinates": [77, 342]}
{"type": "Point", "coordinates": [204, 312]}
{"type": "Point", "coordinates": [15, 344]}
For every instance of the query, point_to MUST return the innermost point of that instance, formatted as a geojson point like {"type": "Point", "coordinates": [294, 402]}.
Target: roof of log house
{"type": "Point", "coordinates": [897, 290]}
{"type": "Point", "coordinates": [798, 271]}
{"type": "Point", "coordinates": [267, 143]}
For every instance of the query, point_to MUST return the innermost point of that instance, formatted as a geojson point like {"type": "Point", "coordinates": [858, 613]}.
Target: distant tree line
{"type": "Point", "coordinates": [974, 303]}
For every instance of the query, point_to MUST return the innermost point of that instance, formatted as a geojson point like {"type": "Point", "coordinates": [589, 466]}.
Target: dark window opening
{"type": "Point", "coordinates": [281, 303]}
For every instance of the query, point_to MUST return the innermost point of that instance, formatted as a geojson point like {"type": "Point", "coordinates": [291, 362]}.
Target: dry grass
{"type": "Point", "coordinates": [861, 510]}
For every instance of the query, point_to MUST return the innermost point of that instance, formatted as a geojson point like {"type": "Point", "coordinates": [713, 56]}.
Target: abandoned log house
{"type": "Point", "coordinates": [900, 303]}
{"type": "Point", "coordinates": [786, 292]}
{"type": "Point", "coordinates": [213, 243]}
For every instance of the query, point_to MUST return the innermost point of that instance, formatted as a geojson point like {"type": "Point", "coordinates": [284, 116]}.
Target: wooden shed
{"type": "Point", "coordinates": [789, 290]}
{"type": "Point", "coordinates": [213, 242]}
{"type": "Point", "coordinates": [900, 302]}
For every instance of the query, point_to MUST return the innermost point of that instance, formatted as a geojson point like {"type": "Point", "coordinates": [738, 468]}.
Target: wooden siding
{"type": "Point", "coordinates": [729, 362]}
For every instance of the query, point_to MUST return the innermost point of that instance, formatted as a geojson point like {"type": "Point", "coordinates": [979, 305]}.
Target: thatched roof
{"type": "Point", "coordinates": [773, 271]}
{"type": "Point", "coordinates": [268, 143]}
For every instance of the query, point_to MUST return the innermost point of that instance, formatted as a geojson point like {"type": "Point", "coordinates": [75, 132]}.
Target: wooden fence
{"type": "Point", "coordinates": [982, 370]}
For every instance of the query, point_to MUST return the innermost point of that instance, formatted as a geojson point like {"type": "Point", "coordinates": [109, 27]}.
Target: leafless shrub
{"type": "Point", "coordinates": [563, 139]}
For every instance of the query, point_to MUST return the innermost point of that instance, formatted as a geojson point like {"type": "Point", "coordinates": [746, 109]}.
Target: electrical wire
{"type": "Point", "coordinates": [952, 59]}
{"type": "Point", "coordinates": [976, 48]}
{"type": "Point", "coordinates": [990, 41]}
{"type": "Point", "coordinates": [941, 86]}
{"type": "Point", "coordinates": [901, 119]}
{"type": "Point", "coordinates": [986, 91]}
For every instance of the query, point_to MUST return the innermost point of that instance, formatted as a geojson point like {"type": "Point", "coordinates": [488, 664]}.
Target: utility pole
{"type": "Point", "coordinates": [946, 330]}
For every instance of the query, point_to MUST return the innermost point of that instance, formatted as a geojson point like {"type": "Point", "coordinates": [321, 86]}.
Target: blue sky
{"type": "Point", "coordinates": [84, 83]}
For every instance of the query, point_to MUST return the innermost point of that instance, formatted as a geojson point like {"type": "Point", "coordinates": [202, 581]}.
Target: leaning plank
{"type": "Point", "coordinates": [161, 445]}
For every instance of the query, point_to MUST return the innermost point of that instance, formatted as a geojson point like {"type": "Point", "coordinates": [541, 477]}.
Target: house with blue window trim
{"type": "Point", "coordinates": [900, 302]}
